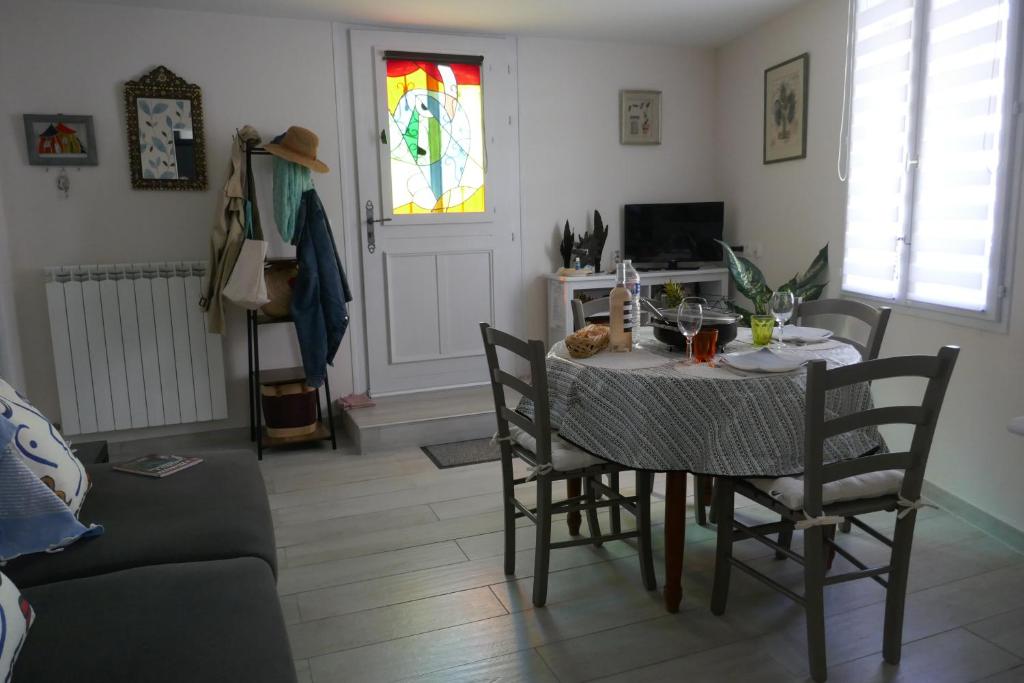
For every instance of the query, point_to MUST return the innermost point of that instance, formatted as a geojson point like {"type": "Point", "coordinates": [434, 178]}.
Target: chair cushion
{"type": "Point", "coordinates": [215, 510]}
{"type": "Point", "coordinates": [564, 455]}
{"type": "Point", "coordinates": [200, 622]}
{"type": "Point", "coordinates": [790, 490]}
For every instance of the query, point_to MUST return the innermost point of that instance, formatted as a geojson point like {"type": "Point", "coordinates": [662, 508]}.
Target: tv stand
{"type": "Point", "coordinates": [563, 289]}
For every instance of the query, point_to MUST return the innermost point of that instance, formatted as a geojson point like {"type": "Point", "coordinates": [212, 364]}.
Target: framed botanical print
{"type": "Point", "coordinates": [166, 145]}
{"type": "Point", "coordinates": [640, 117]}
{"type": "Point", "coordinates": [785, 110]}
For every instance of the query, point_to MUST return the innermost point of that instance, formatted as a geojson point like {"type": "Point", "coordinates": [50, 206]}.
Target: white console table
{"type": "Point", "coordinates": [562, 289]}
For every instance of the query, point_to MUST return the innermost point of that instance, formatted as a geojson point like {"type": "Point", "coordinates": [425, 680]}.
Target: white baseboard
{"type": "Point", "coordinates": [991, 525]}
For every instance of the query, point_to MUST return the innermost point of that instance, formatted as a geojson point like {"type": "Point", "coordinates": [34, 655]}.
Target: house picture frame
{"type": "Point", "coordinates": [640, 117]}
{"type": "Point", "coordinates": [60, 140]}
{"type": "Point", "coordinates": [785, 110]}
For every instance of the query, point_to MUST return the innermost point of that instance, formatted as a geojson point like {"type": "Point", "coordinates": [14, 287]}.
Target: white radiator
{"type": "Point", "coordinates": [131, 348]}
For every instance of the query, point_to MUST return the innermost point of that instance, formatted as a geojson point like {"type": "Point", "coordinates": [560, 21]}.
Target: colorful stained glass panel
{"type": "Point", "coordinates": [435, 116]}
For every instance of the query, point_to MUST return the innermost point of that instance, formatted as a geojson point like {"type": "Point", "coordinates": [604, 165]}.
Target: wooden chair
{"type": "Point", "coordinates": [832, 492]}
{"type": "Point", "coordinates": [553, 459]}
{"type": "Point", "coordinates": [808, 313]}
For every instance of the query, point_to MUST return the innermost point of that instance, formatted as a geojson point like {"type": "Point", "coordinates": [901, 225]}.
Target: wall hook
{"type": "Point", "coordinates": [64, 182]}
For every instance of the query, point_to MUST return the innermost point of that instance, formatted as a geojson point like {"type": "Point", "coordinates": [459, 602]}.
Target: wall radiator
{"type": "Point", "coordinates": [131, 348]}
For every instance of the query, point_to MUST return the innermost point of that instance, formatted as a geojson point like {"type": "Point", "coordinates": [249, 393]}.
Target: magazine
{"type": "Point", "coordinates": [157, 465]}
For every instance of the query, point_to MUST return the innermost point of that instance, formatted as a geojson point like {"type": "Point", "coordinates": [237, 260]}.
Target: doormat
{"type": "Point", "coordinates": [459, 453]}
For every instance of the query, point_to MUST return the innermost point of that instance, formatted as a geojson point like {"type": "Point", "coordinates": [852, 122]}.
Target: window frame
{"type": "Point", "coordinates": [1009, 212]}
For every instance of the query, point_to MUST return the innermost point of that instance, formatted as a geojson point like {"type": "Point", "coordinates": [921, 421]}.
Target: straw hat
{"type": "Point", "coordinates": [299, 145]}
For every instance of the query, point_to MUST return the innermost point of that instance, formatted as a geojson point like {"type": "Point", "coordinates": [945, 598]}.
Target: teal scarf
{"type": "Point", "coordinates": [291, 180]}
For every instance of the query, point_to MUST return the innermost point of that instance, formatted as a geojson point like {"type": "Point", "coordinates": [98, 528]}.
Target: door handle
{"type": "Point", "coordinates": [371, 242]}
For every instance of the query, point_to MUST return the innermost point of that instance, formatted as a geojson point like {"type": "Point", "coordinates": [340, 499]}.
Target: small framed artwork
{"type": "Point", "coordinates": [59, 140]}
{"type": "Point", "coordinates": [785, 110]}
{"type": "Point", "coordinates": [640, 117]}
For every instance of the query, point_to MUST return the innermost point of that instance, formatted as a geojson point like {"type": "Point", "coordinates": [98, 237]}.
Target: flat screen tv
{"type": "Point", "coordinates": [658, 236]}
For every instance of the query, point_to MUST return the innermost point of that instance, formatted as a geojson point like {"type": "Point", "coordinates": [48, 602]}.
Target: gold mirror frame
{"type": "Point", "coordinates": [162, 83]}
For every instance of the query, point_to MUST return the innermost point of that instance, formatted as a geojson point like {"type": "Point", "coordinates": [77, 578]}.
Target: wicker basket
{"type": "Point", "coordinates": [289, 409]}
{"type": "Point", "coordinates": [587, 341]}
{"type": "Point", "coordinates": [279, 276]}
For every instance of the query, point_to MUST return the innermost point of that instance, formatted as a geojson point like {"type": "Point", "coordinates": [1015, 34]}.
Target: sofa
{"type": "Point", "coordinates": [180, 587]}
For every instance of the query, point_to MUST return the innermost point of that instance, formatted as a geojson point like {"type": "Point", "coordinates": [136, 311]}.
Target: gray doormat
{"type": "Point", "coordinates": [459, 453]}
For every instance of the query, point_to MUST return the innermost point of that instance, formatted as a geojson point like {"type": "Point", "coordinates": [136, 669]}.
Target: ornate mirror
{"type": "Point", "coordinates": [165, 132]}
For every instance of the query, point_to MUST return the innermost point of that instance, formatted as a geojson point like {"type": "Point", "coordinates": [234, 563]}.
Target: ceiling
{"type": "Point", "coordinates": [678, 22]}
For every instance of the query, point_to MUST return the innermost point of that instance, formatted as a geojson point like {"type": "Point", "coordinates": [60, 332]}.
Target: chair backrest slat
{"type": "Point", "coordinates": [536, 390]}
{"type": "Point", "coordinates": [883, 368]}
{"type": "Point", "coordinates": [865, 464]}
{"type": "Point", "coordinates": [877, 319]}
{"type": "Point", "coordinates": [924, 417]}
{"type": "Point", "coordinates": [915, 415]}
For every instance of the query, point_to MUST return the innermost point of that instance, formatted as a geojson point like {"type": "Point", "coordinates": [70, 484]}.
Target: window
{"type": "Point", "coordinates": [435, 115]}
{"type": "Point", "coordinates": [932, 110]}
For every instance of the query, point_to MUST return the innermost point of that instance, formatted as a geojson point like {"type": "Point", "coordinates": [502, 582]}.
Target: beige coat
{"type": "Point", "coordinates": [228, 232]}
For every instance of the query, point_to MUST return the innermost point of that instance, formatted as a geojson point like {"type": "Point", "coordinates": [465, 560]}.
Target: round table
{"type": "Point", "coordinates": [646, 411]}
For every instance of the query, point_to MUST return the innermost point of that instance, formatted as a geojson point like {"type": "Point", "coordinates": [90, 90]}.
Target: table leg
{"type": "Point", "coordinates": [573, 488]}
{"type": "Point", "coordinates": [675, 537]}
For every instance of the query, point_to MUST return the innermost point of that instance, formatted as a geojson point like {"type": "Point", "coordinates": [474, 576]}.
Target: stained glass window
{"type": "Point", "coordinates": [435, 113]}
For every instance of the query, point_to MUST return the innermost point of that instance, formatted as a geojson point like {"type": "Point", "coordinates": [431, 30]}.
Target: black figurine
{"type": "Point", "coordinates": [565, 248]}
{"type": "Point", "coordinates": [598, 240]}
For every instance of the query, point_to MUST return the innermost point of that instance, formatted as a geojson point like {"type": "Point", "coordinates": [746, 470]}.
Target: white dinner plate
{"type": "Point", "coordinates": [762, 360]}
{"type": "Point", "coordinates": [794, 333]}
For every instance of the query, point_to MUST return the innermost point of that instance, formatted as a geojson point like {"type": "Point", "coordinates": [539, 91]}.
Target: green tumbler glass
{"type": "Point", "coordinates": [761, 327]}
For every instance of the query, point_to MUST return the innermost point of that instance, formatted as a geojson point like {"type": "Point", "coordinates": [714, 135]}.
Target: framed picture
{"type": "Point", "coordinates": [166, 144]}
{"type": "Point", "coordinates": [59, 140]}
{"type": "Point", "coordinates": [640, 117]}
{"type": "Point", "coordinates": [785, 110]}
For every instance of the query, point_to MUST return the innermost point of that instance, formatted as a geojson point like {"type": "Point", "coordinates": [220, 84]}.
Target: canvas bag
{"type": "Point", "coordinates": [247, 287]}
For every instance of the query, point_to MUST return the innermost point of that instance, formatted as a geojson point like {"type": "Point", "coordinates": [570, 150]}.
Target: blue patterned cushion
{"type": "Point", "coordinates": [15, 619]}
{"type": "Point", "coordinates": [43, 449]}
{"type": "Point", "coordinates": [32, 519]}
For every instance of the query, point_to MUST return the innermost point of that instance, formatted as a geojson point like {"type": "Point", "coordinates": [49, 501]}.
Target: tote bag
{"type": "Point", "coordinates": [247, 287]}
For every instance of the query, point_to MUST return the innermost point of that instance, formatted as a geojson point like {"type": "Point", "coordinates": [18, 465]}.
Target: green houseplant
{"type": "Point", "coordinates": [751, 283]}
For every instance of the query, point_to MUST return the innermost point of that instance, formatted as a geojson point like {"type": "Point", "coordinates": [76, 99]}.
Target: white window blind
{"type": "Point", "coordinates": [929, 107]}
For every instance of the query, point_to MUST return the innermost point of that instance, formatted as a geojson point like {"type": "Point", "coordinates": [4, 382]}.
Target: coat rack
{"type": "Point", "coordinates": [258, 377]}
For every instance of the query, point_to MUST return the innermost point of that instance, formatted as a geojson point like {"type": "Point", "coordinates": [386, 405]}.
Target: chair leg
{"type": "Point", "coordinates": [830, 551]}
{"type": "Point", "coordinates": [785, 540]}
{"type": "Point", "coordinates": [846, 526]}
{"type": "Point", "coordinates": [724, 501]}
{"type": "Point", "coordinates": [896, 594]}
{"type": "Point", "coordinates": [593, 525]}
{"type": "Point", "coordinates": [644, 485]}
{"type": "Point", "coordinates": [712, 510]}
{"type": "Point", "coordinates": [814, 595]}
{"type": "Point", "coordinates": [573, 488]}
{"type": "Point", "coordinates": [508, 493]}
{"type": "Point", "coordinates": [542, 551]}
{"type": "Point", "coordinates": [614, 510]}
{"type": "Point", "coordinates": [698, 500]}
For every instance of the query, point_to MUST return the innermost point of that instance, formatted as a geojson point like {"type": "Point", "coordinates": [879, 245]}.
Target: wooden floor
{"type": "Point", "coordinates": [391, 570]}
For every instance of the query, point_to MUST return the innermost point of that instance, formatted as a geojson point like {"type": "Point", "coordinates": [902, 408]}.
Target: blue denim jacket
{"type": "Point", "coordinates": [321, 293]}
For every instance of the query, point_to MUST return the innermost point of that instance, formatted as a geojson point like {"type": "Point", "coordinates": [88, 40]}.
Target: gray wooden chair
{"type": "Point", "coordinates": [582, 309]}
{"type": "Point", "coordinates": [826, 313]}
{"type": "Point", "coordinates": [553, 459]}
{"type": "Point", "coordinates": [832, 492]}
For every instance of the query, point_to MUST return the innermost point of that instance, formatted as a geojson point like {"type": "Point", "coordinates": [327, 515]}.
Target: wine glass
{"type": "Point", "coordinates": [781, 306]}
{"type": "Point", "coordinates": [689, 317]}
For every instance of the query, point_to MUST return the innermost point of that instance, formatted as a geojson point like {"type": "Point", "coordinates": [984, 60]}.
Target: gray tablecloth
{"type": "Point", "coordinates": [702, 420]}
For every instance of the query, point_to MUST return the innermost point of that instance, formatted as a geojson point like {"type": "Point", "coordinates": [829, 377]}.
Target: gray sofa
{"type": "Point", "coordinates": [180, 587]}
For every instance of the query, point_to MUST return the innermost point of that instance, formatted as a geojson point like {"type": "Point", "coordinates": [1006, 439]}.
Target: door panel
{"type": "Point", "coordinates": [431, 277]}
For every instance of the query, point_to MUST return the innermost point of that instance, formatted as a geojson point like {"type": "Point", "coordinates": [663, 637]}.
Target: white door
{"type": "Point", "coordinates": [437, 162]}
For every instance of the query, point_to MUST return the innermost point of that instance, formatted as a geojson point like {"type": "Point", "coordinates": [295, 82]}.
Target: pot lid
{"type": "Point", "coordinates": [711, 317]}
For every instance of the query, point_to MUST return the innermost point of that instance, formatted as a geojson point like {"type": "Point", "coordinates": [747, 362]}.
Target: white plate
{"type": "Point", "coordinates": [794, 333]}
{"type": "Point", "coordinates": [762, 360]}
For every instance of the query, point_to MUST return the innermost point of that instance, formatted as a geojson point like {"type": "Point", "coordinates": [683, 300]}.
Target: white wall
{"type": "Point", "coordinates": [74, 58]}
{"type": "Point", "coordinates": [570, 157]}
{"type": "Point", "coordinates": [10, 346]}
{"type": "Point", "coordinates": [792, 208]}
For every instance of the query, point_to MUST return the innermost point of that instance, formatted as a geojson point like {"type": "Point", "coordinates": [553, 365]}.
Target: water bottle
{"type": "Point", "coordinates": [632, 283]}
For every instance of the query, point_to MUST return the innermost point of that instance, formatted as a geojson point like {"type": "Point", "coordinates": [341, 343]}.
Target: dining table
{"type": "Point", "coordinates": [647, 410]}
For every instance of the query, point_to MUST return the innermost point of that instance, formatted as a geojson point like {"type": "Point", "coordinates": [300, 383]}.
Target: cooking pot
{"type": "Point", "coordinates": [666, 331]}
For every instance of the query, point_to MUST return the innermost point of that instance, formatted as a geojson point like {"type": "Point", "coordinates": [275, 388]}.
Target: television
{"type": "Point", "coordinates": [660, 236]}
